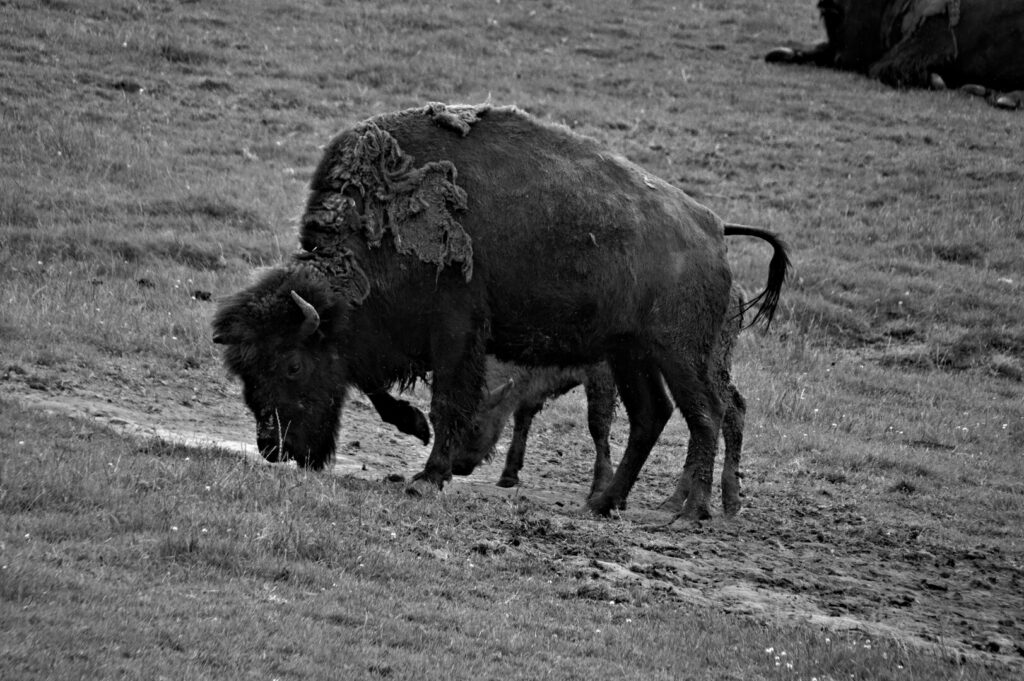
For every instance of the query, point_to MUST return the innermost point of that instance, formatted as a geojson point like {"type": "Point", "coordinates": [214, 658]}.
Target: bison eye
{"type": "Point", "coordinates": [293, 368]}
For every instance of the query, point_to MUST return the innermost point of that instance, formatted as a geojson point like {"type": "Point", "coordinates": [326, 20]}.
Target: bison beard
{"type": "Point", "coordinates": [475, 230]}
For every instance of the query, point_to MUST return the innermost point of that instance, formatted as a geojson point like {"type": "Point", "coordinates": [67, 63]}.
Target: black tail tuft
{"type": "Point", "coordinates": [777, 271]}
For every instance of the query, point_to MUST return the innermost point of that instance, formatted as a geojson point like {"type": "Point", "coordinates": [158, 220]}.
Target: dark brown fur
{"type": "Point", "coordinates": [576, 256]}
{"type": "Point", "coordinates": [906, 42]}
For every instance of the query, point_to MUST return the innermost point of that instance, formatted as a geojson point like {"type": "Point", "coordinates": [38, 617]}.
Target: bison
{"type": "Point", "coordinates": [977, 45]}
{"type": "Point", "coordinates": [521, 392]}
{"type": "Point", "coordinates": [437, 235]}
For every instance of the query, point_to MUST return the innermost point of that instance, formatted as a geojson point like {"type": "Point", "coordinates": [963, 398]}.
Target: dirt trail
{"type": "Point", "coordinates": [814, 559]}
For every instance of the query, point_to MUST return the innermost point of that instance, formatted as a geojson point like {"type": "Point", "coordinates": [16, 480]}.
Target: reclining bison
{"type": "Point", "coordinates": [521, 392]}
{"type": "Point", "coordinates": [437, 235]}
{"type": "Point", "coordinates": [974, 44]}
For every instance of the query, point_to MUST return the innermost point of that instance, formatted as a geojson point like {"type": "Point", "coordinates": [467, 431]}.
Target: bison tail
{"type": "Point", "coordinates": [778, 268]}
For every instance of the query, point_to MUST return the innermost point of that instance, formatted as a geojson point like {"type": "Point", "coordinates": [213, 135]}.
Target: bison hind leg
{"type": "Point", "coordinates": [732, 433]}
{"type": "Point", "coordinates": [913, 60]}
{"type": "Point", "coordinates": [648, 407]}
{"type": "Point", "coordinates": [599, 384]}
{"type": "Point", "coordinates": [701, 407]}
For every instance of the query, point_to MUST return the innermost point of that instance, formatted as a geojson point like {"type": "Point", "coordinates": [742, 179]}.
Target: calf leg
{"type": "Point", "coordinates": [648, 408]}
{"type": "Point", "coordinates": [399, 413]}
{"type": "Point", "coordinates": [522, 420]}
{"type": "Point", "coordinates": [732, 433]}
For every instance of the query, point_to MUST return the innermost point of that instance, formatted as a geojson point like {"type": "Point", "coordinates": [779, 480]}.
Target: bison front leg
{"type": "Point", "coordinates": [819, 54]}
{"type": "Point", "coordinates": [402, 415]}
{"type": "Point", "coordinates": [458, 364]}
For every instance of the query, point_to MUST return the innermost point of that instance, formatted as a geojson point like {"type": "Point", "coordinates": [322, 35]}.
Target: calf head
{"type": "Point", "coordinates": [486, 427]}
{"type": "Point", "coordinates": [280, 337]}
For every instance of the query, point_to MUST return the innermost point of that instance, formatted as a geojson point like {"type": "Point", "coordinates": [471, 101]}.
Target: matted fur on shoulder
{"type": "Point", "coordinates": [367, 188]}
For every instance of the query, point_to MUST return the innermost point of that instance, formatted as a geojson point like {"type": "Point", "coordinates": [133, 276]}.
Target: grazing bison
{"type": "Point", "coordinates": [437, 235]}
{"type": "Point", "coordinates": [975, 44]}
{"type": "Point", "coordinates": [521, 392]}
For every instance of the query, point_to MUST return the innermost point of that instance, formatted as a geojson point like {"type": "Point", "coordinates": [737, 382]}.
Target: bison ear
{"type": "Point", "coordinates": [225, 335]}
{"type": "Point", "coordinates": [229, 327]}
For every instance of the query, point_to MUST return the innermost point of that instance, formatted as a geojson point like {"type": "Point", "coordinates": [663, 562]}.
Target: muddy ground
{"type": "Point", "coordinates": [808, 553]}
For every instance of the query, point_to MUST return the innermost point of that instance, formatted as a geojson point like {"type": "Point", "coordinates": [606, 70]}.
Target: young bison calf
{"type": "Point", "coordinates": [522, 392]}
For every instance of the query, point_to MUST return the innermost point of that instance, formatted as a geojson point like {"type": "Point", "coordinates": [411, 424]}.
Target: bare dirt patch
{"type": "Point", "coordinates": [815, 553]}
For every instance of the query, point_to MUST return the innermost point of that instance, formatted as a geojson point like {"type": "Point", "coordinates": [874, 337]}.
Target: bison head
{"type": "Point", "coordinates": [280, 337]}
{"type": "Point", "coordinates": [854, 31]}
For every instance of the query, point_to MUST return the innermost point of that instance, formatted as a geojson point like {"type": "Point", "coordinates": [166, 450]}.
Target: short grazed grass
{"type": "Point", "coordinates": [153, 154]}
{"type": "Point", "coordinates": [133, 558]}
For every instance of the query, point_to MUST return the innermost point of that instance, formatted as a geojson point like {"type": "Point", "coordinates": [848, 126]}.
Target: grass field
{"type": "Point", "coordinates": [153, 154]}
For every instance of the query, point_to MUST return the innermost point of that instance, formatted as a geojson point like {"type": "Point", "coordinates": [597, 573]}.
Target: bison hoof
{"type": "Point", "coordinates": [936, 82]}
{"type": "Point", "coordinates": [693, 511]}
{"type": "Point", "coordinates": [603, 505]}
{"type": "Point", "coordinates": [421, 487]}
{"type": "Point", "coordinates": [1014, 100]}
{"type": "Point", "coordinates": [508, 481]}
{"type": "Point", "coordinates": [619, 505]}
{"type": "Point", "coordinates": [780, 55]}
{"type": "Point", "coordinates": [673, 503]}
{"type": "Point", "coordinates": [975, 90]}
{"type": "Point", "coordinates": [732, 507]}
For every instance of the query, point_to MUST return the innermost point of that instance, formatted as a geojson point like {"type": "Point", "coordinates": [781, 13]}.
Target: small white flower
{"type": "Point", "coordinates": [174, 528]}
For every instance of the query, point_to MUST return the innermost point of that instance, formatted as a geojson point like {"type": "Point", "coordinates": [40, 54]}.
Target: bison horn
{"type": "Point", "coordinates": [312, 321]}
{"type": "Point", "coordinates": [494, 397]}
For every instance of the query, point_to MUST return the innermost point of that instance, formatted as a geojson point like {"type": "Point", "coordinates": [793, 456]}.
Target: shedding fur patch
{"type": "Point", "coordinates": [341, 271]}
{"type": "Point", "coordinates": [417, 206]}
{"type": "Point", "coordinates": [906, 16]}
{"type": "Point", "coordinates": [458, 117]}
